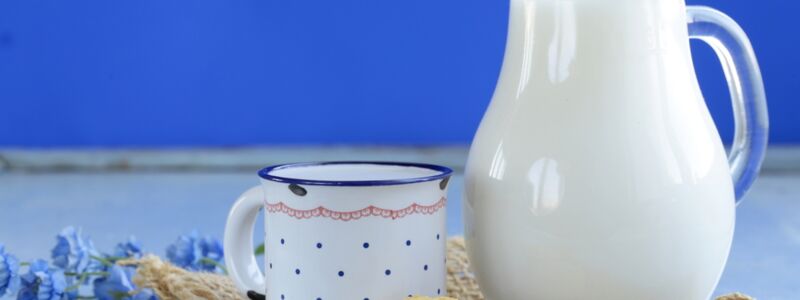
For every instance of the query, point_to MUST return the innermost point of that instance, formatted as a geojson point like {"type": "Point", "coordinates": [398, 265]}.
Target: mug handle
{"type": "Point", "coordinates": [746, 87]}
{"type": "Point", "coordinates": [240, 258]}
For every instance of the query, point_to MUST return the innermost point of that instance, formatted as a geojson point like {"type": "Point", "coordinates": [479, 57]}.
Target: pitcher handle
{"type": "Point", "coordinates": [735, 52]}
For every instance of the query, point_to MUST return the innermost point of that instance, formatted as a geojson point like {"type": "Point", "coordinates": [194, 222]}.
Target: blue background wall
{"type": "Point", "coordinates": [218, 73]}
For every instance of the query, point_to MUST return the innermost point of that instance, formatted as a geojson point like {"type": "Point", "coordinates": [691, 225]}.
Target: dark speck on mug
{"type": "Point", "coordinates": [443, 183]}
{"type": "Point", "coordinates": [297, 190]}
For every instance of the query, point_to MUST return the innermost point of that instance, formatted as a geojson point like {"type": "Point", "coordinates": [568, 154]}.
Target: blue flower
{"type": "Point", "coordinates": [73, 253]}
{"type": "Point", "coordinates": [185, 251]}
{"type": "Point", "coordinates": [118, 286]}
{"type": "Point", "coordinates": [130, 248]}
{"type": "Point", "coordinates": [115, 285]}
{"type": "Point", "coordinates": [9, 276]}
{"type": "Point", "coordinates": [197, 254]}
{"type": "Point", "coordinates": [211, 248]}
{"type": "Point", "coordinates": [43, 283]}
{"type": "Point", "coordinates": [145, 294]}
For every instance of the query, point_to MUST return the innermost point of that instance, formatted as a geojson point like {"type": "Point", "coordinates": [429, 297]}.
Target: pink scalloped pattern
{"type": "Point", "coordinates": [370, 211]}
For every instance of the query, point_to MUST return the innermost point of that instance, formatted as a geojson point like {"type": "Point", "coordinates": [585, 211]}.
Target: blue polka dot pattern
{"type": "Point", "coordinates": [405, 269]}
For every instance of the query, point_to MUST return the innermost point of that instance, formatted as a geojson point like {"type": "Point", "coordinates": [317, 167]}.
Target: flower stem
{"type": "Point", "coordinates": [114, 258]}
{"type": "Point", "coordinates": [103, 261]}
{"type": "Point", "coordinates": [208, 261]}
{"type": "Point", "coordinates": [24, 264]}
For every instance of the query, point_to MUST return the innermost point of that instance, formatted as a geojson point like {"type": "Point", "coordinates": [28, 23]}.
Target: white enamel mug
{"type": "Point", "coordinates": [342, 230]}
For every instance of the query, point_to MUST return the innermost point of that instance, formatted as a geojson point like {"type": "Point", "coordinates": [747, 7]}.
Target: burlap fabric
{"type": "Point", "coordinates": [170, 282]}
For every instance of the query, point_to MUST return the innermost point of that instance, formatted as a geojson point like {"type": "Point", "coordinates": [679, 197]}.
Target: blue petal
{"type": "Point", "coordinates": [9, 276]}
{"type": "Point", "coordinates": [73, 253]}
{"type": "Point", "coordinates": [117, 282]}
{"type": "Point", "coordinates": [130, 248]}
{"type": "Point", "coordinates": [42, 283]}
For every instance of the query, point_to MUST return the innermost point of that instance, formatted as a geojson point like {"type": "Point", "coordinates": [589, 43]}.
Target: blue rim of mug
{"type": "Point", "coordinates": [444, 172]}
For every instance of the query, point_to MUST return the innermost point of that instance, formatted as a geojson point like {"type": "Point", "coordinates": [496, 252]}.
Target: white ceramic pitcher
{"type": "Point", "coordinates": [597, 172]}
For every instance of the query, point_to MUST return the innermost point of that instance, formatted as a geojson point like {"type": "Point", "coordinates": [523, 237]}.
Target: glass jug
{"type": "Point", "coordinates": [597, 171]}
